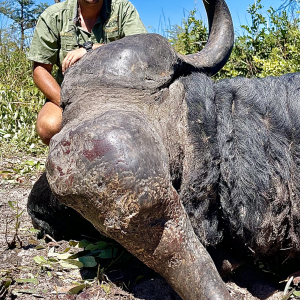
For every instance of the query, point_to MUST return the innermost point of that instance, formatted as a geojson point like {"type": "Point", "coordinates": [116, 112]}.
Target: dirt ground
{"type": "Point", "coordinates": [22, 276]}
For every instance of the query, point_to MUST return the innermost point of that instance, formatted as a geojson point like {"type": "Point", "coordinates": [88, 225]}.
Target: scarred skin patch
{"type": "Point", "coordinates": [99, 148]}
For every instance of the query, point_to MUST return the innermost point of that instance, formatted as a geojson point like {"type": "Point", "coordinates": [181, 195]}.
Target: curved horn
{"type": "Point", "coordinates": [220, 42]}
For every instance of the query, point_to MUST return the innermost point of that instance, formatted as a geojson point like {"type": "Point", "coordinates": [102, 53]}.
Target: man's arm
{"type": "Point", "coordinates": [45, 82]}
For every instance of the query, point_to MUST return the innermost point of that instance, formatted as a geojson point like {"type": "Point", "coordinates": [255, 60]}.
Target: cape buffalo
{"type": "Point", "coordinates": [168, 163]}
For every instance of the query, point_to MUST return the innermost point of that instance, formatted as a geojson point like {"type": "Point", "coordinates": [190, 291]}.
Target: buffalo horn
{"type": "Point", "coordinates": [220, 42]}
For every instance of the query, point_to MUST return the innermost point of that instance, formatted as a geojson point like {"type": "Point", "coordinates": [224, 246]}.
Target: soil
{"type": "Point", "coordinates": [21, 277]}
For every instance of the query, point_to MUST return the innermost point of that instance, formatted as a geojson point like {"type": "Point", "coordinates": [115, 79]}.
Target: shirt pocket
{"type": "Point", "coordinates": [67, 43]}
{"type": "Point", "coordinates": [111, 29]}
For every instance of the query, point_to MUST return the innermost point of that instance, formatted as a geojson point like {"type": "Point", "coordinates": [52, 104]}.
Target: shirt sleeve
{"type": "Point", "coordinates": [44, 45]}
{"type": "Point", "coordinates": [131, 22]}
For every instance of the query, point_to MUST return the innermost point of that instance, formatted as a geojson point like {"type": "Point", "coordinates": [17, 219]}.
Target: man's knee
{"type": "Point", "coordinates": [49, 122]}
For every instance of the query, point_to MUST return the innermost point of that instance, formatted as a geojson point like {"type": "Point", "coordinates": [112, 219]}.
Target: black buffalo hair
{"type": "Point", "coordinates": [245, 184]}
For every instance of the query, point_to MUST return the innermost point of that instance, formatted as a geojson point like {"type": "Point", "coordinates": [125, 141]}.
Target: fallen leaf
{"type": "Point", "coordinates": [27, 291]}
{"type": "Point", "coordinates": [71, 289]}
{"type": "Point", "coordinates": [71, 264]}
{"type": "Point", "coordinates": [106, 288]}
{"type": "Point", "coordinates": [26, 280]}
{"type": "Point", "coordinates": [75, 290]}
{"type": "Point", "coordinates": [88, 261]}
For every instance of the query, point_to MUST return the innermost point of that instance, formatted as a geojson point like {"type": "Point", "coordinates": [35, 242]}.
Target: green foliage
{"type": "Point", "coordinates": [270, 45]}
{"type": "Point", "coordinates": [190, 37]}
{"type": "Point", "coordinates": [16, 173]}
{"type": "Point", "coordinates": [24, 14]}
{"type": "Point", "coordinates": [16, 239]}
{"type": "Point", "coordinates": [20, 101]}
{"type": "Point", "coordinates": [93, 254]}
{"type": "Point", "coordinates": [4, 285]}
{"type": "Point", "coordinates": [267, 47]}
{"type": "Point", "coordinates": [22, 11]}
{"type": "Point", "coordinates": [291, 6]}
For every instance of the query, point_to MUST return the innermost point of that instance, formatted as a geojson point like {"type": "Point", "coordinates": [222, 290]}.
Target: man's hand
{"type": "Point", "coordinates": [72, 57]}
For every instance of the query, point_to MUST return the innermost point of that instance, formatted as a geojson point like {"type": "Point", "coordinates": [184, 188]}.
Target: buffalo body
{"type": "Point", "coordinates": [165, 162]}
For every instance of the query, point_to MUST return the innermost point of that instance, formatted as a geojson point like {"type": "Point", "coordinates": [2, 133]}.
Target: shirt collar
{"type": "Point", "coordinates": [106, 10]}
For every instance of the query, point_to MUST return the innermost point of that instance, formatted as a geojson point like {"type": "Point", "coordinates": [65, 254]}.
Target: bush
{"type": "Point", "coordinates": [269, 47]}
{"type": "Point", "coordinates": [189, 38]}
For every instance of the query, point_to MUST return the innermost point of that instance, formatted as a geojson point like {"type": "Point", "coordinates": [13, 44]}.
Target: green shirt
{"type": "Point", "coordinates": [58, 31]}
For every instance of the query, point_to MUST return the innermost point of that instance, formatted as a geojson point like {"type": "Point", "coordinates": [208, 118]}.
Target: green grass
{"type": "Point", "coordinates": [20, 102]}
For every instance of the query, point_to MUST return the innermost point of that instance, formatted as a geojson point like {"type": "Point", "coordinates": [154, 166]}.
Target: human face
{"type": "Point", "coordinates": [90, 1]}
{"type": "Point", "coordinates": [91, 5]}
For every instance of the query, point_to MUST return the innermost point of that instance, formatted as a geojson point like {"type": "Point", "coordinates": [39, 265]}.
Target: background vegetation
{"type": "Point", "coordinates": [269, 45]}
{"type": "Point", "coordinates": [20, 99]}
